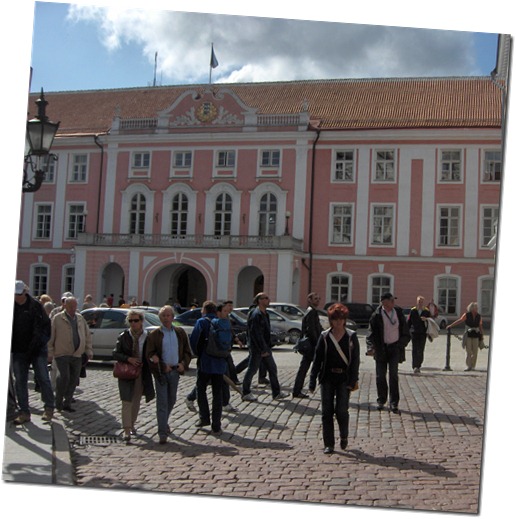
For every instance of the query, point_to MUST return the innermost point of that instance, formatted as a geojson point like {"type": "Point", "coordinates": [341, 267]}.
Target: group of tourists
{"type": "Point", "coordinates": [158, 359]}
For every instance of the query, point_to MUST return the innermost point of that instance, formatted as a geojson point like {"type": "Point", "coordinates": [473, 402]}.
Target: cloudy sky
{"type": "Point", "coordinates": [87, 46]}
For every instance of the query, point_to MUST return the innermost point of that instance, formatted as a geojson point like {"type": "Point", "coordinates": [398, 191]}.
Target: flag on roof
{"type": "Point", "coordinates": [213, 61]}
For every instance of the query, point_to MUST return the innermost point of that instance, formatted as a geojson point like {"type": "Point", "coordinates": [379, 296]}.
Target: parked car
{"type": "Point", "coordinates": [280, 323]}
{"type": "Point", "coordinates": [360, 313]}
{"type": "Point", "coordinates": [106, 324]}
{"type": "Point", "coordinates": [238, 323]}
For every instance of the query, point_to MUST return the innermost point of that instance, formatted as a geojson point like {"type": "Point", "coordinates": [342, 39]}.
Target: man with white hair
{"type": "Point", "coordinates": [70, 338]}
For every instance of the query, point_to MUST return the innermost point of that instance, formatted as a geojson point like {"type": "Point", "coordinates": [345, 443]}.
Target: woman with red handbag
{"type": "Point", "coordinates": [130, 349]}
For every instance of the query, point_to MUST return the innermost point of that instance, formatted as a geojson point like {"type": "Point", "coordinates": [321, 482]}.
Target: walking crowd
{"type": "Point", "coordinates": [149, 364]}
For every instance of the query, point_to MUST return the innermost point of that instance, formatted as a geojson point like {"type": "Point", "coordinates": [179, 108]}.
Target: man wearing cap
{"type": "Point", "coordinates": [58, 309]}
{"type": "Point", "coordinates": [386, 339]}
{"type": "Point", "coordinates": [30, 334]}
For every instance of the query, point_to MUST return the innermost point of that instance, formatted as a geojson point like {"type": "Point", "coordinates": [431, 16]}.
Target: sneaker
{"type": "Point", "coordinates": [21, 419]}
{"type": "Point", "coordinates": [48, 414]}
{"type": "Point", "coordinates": [190, 405]}
{"type": "Point", "coordinates": [249, 397]}
{"type": "Point", "coordinates": [417, 370]}
{"type": "Point", "coordinates": [230, 409]}
{"type": "Point", "coordinates": [281, 396]}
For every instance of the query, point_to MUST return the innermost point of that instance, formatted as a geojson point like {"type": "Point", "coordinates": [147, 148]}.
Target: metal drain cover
{"type": "Point", "coordinates": [99, 440]}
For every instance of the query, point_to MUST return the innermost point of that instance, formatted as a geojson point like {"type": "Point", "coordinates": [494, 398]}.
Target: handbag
{"type": "Point", "coordinates": [126, 370]}
{"type": "Point", "coordinates": [303, 345]}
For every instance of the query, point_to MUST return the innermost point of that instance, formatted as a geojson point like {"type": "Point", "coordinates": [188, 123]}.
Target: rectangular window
{"type": "Point", "coordinates": [379, 285]}
{"type": "Point", "coordinates": [342, 224]}
{"type": "Point", "coordinates": [141, 160]}
{"type": "Point", "coordinates": [182, 159]}
{"type": "Point", "coordinates": [451, 166]}
{"type": "Point", "coordinates": [68, 281]}
{"type": "Point", "coordinates": [339, 288]}
{"type": "Point", "coordinates": [344, 166]}
{"type": "Point", "coordinates": [489, 225]}
{"type": "Point", "coordinates": [486, 296]}
{"type": "Point", "coordinates": [383, 225]}
{"type": "Point", "coordinates": [43, 221]}
{"type": "Point", "coordinates": [447, 292]}
{"type": "Point", "coordinates": [492, 166]}
{"type": "Point", "coordinates": [50, 174]}
{"type": "Point", "coordinates": [270, 159]}
{"type": "Point", "coordinates": [449, 227]}
{"type": "Point", "coordinates": [79, 168]}
{"type": "Point", "coordinates": [384, 166]}
{"type": "Point", "coordinates": [76, 220]}
{"type": "Point", "coordinates": [39, 283]}
{"type": "Point", "coordinates": [225, 159]}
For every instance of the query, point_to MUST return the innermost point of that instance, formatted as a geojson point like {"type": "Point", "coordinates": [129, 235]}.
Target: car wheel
{"type": "Point", "coordinates": [294, 335]}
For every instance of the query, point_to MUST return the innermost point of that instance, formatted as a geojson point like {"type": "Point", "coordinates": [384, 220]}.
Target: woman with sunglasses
{"type": "Point", "coordinates": [130, 347]}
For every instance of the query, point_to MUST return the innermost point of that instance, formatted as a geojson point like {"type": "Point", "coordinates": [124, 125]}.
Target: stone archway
{"type": "Point", "coordinates": [250, 281]}
{"type": "Point", "coordinates": [178, 283]}
{"type": "Point", "coordinates": [112, 281]}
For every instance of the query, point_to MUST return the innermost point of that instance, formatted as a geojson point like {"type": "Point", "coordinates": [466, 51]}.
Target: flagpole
{"type": "Point", "coordinates": [211, 60]}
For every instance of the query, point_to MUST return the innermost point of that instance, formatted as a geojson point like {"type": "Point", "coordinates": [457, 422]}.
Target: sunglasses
{"type": "Point", "coordinates": [134, 320]}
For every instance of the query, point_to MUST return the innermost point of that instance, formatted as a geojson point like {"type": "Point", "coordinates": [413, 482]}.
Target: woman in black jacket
{"type": "Point", "coordinates": [130, 347]}
{"type": "Point", "coordinates": [336, 362]}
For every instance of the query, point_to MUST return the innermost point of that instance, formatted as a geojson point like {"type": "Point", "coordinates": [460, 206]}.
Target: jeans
{"type": "Point", "coordinates": [304, 366]}
{"type": "Point", "coordinates": [391, 362]}
{"type": "Point", "coordinates": [255, 359]}
{"type": "Point", "coordinates": [334, 401]}
{"type": "Point", "coordinates": [217, 383]}
{"type": "Point", "coordinates": [21, 365]}
{"type": "Point", "coordinates": [166, 394]}
{"type": "Point", "coordinates": [67, 378]}
{"type": "Point", "coordinates": [244, 364]}
{"type": "Point", "coordinates": [418, 350]}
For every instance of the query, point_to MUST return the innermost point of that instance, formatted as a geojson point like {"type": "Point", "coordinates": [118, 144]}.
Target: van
{"type": "Point", "coordinates": [358, 312]}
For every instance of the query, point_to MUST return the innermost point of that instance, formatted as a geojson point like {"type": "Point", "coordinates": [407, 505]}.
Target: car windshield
{"type": "Point", "coordinates": [152, 319]}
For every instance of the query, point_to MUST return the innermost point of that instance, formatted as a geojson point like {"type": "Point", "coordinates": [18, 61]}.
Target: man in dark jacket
{"type": "Point", "coordinates": [260, 349]}
{"type": "Point", "coordinates": [418, 330]}
{"type": "Point", "coordinates": [386, 340]}
{"type": "Point", "coordinates": [30, 334]}
{"type": "Point", "coordinates": [311, 328]}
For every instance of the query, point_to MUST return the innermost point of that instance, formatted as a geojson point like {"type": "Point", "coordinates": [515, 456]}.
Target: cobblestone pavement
{"type": "Point", "coordinates": [426, 458]}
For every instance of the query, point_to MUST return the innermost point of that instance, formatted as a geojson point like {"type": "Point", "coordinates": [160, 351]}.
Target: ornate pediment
{"type": "Point", "coordinates": [210, 107]}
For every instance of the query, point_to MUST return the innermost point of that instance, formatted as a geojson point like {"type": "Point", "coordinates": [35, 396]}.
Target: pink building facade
{"type": "Point", "coordinates": [347, 188]}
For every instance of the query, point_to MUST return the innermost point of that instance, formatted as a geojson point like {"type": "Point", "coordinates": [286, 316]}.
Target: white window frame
{"type": "Point", "coordinates": [79, 169]}
{"type": "Point", "coordinates": [491, 168]}
{"type": "Point", "coordinates": [35, 290]}
{"type": "Point", "coordinates": [84, 213]}
{"type": "Point", "coordinates": [392, 242]}
{"type": "Point", "coordinates": [270, 158]}
{"type": "Point", "coordinates": [385, 162]}
{"type": "Point", "coordinates": [51, 171]}
{"type": "Point", "coordinates": [329, 285]}
{"type": "Point", "coordinates": [331, 237]}
{"type": "Point", "coordinates": [440, 245]}
{"type": "Point", "coordinates": [68, 287]}
{"type": "Point", "coordinates": [483, 244]}
{"type": "Point", "coordinates": [438, 302]}
{"type": "Point", "coordinates": [450, 162]}
{"type": "Point", "coordinates": [186, 159]}
{"type": "Point", "coordinates": [371, 286]}
{"type": "Point", "coordinates": [141, 160]}
{"type": "Point", "coordinates": [341, 166]}
{"type": "Point", "coordinates": [50, 217]}
{"type": "Point", "coordinates": [229, 159]}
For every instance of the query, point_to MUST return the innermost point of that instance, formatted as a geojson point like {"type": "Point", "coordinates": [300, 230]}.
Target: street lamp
{"type": "Point", "coordinates": [287, 218]}
{"type": "Point", "coordinates": [38, 141]}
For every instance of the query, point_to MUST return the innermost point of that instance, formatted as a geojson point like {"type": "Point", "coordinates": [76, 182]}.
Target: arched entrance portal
{"type": "Point", "coordinates": [250, 281]}
{"type": "Point", "coordinates": [112, 281]}
{"type": "Point", "coordinates": [178, 283]}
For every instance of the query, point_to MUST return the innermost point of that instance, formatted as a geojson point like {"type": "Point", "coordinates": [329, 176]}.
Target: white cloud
{"type": "Point", "coordinates": [251, 49]}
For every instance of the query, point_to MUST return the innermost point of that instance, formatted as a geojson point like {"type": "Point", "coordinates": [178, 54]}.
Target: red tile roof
{"type": "Point", "coordinates": [472, 102]}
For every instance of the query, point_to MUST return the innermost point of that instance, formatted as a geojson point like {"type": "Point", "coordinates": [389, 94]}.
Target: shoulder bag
{"type": "Point", "coordinates": [126, 370]}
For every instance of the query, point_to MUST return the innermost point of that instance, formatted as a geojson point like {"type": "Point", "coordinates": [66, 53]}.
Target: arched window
{"type": "Point", "coordinates": [223, 210]}
{"type": "Point", "coordinates": [137, 214]}
{"type": "Point", "coordinates": [179, 215]}
{"type": "Point", "coordinates": [267, 215]}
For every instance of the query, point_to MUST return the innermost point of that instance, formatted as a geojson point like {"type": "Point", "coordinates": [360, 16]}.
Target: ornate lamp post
{"type": "Point", "coordinates": [39, 138]}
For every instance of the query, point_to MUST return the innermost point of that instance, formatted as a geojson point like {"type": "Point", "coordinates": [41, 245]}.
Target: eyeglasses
{"type": "Point", "coordinates": [134, 320]}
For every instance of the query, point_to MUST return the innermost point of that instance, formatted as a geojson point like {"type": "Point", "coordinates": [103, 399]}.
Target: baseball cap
{"type": "Point", "coordinates": [19, 287]}
{"type": "Point", "coordinates": [387, 295]}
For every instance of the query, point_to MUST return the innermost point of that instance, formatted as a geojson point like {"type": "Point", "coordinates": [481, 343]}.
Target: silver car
{"type": "Point", "coordinates": [106, 324]}
{"type": "Point", "coordinates": [281, 323]}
